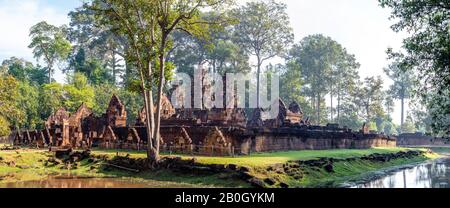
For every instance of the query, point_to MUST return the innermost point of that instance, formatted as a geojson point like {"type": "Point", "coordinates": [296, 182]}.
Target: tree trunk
{"type": "Point", "coordinates": [50, 73]}
{"type": "Point", "coordinates": [127, 73]}
{"type": "Point", "coordinates": [338, 108]}
{"type": "Point", "coordinates": [402, 113]}
{"type": "Point", "coordinates": [157, 135]}
{"type": "Point", "coordinates": [313, 106]}
{"type": "Point", "coordinates": [368, 111]}
{"type": "Point", "coordinates": [114, 66]}
{"type": "Point", "coordinates": [331, 108]}
{"type": "Point", "coordinates": [258, 71]}
{"type": "Point", "coordinates": [148, 124]}
{"type": "Point", "coordinates": [318, 108]}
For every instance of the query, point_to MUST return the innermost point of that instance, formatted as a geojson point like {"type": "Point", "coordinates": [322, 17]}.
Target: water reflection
{"type": "Point", "coordinates": [53, 182]}
{"type": "Point", "coordinates": [74, 183]}
{"type": "Point", "coordinates": [435, 174]}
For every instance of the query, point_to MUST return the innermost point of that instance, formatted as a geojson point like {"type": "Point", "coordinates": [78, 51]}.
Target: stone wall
{"type": "Point", "coordinates": [212, 140]}
{"type": "Point", "coordinates": [275, 140]}
{"type": "Point", "coordinates": [419, 139]}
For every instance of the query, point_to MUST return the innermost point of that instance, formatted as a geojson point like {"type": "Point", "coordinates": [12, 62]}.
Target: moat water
{"type": "Point", "coordinates": [433, 174]}
{"type": "Point", "coordinates": [75, 182]}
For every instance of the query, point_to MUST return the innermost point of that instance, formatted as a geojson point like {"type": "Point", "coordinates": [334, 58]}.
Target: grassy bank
{"type": "Point", "coordinates": [343, 171]}
{"type": "Point", "coordinates": [264, 159]}
{"type": "Point", "coordinates": [31, 165]}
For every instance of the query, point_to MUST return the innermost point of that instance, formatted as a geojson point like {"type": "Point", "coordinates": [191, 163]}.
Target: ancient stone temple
{"type": "Point", "coordinates": [116, 115]}
{"type": "Point", "coordinates": [198, 131]}
{"type": "Point", "coordinates": [291, 116]}
{"type": "Point", "coordinates": [76, 133]}
{"type": "Point", "coordinates": [167, 111]}
{"type": "Point", "coordinates": [57, 126]}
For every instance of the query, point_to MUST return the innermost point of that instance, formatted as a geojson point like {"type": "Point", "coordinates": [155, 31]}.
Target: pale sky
{"type": "Point", "coordinates": [361, 26]}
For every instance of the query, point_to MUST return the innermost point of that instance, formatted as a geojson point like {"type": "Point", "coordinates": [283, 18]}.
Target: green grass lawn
{"type": "Point", "coordinates": [29, 166]}
{"type": "Point", "coordinates": [269, 158]}
{"type": "Point", "coordinates": [264, 159]}
{"type": "Point", "coordinates": [349, 172]}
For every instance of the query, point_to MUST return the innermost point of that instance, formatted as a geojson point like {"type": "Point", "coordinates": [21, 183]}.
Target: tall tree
{"type": "Point", "coordinates": [148, 26]}
{"type": "Point", "coordinates": [96, 43]}
{"type": "Point", "coordinates": [316, 56]}
{"type": "Point", "coordinates": [221, 53]}
{"type": "Point", "coordinates": [94, 69]}
{"type": "Point", "coordinates": [49, 43]}
{"type": "Point", "coordinates": [178, 15]}
{"type": "Point", "coordinates": [136, 22]}
{"type": "Point", "coordinates": [291, 83]}
{"type": "Point", "coordinates": [343, 79]}
{"type": "Point", "coordinates": [426, 51]}
{"type": "Point", "coordinates": [264, 31]}
{"type": "Point", "coordinates": [370, 98]}
{"type": "Point", "coordinates": [402, 86]}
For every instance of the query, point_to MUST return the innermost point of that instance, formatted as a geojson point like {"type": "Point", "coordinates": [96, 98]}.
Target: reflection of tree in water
{"type": "Point", "coordinates": [421, 176]}
{"type": "Point", "coordinates": [440, 176]}
{"type": "Point", "coordinates": [391, 183]}
{"type": "Point", "coordinates": [376, 184]}
{"type": "Point", "coordinates": [432, 175]}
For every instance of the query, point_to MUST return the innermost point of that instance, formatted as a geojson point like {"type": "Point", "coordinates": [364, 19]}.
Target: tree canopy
{"type": "Point", "coordinates": [426, 51]}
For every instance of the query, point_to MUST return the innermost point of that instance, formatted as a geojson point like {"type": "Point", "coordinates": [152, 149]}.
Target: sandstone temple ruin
{"type": "Point", "coordinates": [197, 131]}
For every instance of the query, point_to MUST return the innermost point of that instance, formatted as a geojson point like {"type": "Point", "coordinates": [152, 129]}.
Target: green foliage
{"type": "Point", "coordinates": [390, 128]}
{"type": "Point", "coordinates": [403, 81]}
{"type": "Point", "coordinates": [317, 55]}
{"type": "Point", "coordinates": [408, 127]}
{"type": "Point", "coordinates": [29, 80]}
{"type": "Point", "coordinates": [134, 103]}
{"type": "Point", "coordinates": [369, 97]}
{"type": "Point", "coordinates": [70, 96]}
{"type": "Point", "coordinates": [9, 111]}
{"type": "Point", "coordinates": [438, 106]}
{"type": "Point", "coordinates": [351, 120]}
{"type": "Point", "coordinates": [426, 52]}
{"type": "Point", "coordinates": [421, 117]}
{"type": "Point", "coordinates": [291, 83]}
{"type": "Point", "coordinates": [4, 126]}
{"type": "Point", "coordinates": [103, 93]}
{"type": "Point", "coordinates": [263, 29]}
{"type": "Point", "coordinates": [51, 98]}
{"type": "Point", "coordinates": [29, 105]}
{"type": "Point", "coordinates": [96, 72]}
{"type": "Point", "coordinates": [96, 43]}
{"type": "Point", "coordinates": [49, 43]}
{"type": "Point", "coordinates": [77, 92]}
{"type": "Point", "coordinates": [403, 85]}
{"type": "Point", "coordinates": [23, 70]}
{"type": "Point", "coordinates": [372, 126]}
{"type": "Point", "coordinates": [220, 51]}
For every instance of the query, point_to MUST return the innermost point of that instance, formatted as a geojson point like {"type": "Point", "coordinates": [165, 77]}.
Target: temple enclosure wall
{"type": "Point", "coordinates": [419, 139]}
{"type": "Point", "coordinates": [318, 141]}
